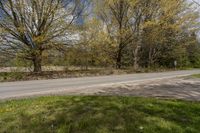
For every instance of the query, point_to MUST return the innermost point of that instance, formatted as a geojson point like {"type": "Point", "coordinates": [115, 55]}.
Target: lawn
{"type": "Point", "coordinates": [196, 76]}
{"type": "Point", "coordinates": [95, 114]}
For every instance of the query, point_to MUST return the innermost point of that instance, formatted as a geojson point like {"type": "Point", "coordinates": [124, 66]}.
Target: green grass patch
{"type": "Point", "coordinates": [11, 76]}
{"type": "Point", "coordinates": [196, 76]}
{"type": "Point", "coordinates": [99, 115]}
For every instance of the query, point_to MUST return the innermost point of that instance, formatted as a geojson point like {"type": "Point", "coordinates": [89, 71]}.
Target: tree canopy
{"type": "Point", "coordinates": [118, 33]}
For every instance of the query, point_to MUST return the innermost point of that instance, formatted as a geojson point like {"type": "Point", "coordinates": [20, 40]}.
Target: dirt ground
{"type": "Point", "coordinates": [176, 88]}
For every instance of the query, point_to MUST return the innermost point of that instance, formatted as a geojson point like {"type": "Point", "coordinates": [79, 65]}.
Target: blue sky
{"type": "Point", "coordinates": [196, 1]}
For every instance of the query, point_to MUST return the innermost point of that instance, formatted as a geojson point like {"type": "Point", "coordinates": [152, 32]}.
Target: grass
{"type": "Point", "coordinates": [196, 76]}
{"type": "Point", "coordinates": [99, 115]}
{"type": "Point", "coordinates": [23, 76]}
{"type": "Point", "coordinates": [11, 76]}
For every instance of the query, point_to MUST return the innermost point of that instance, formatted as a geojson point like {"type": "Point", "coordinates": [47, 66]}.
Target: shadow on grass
{"type": "Point", "coordinates": [99, 115]}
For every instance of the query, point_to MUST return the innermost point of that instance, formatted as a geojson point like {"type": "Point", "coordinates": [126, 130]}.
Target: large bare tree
{"type": "Point", "coordinates": [33, 26]}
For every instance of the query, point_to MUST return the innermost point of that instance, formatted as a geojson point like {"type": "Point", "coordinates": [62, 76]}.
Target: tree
{"type": "Point", "coordinates": [33, 26]}
{"type": "Point", "coordinates": [116, 17]}
{"type": "Point", "coordinates": [162, 25]}
{"type": "Point", "coordinates": [148, 27]}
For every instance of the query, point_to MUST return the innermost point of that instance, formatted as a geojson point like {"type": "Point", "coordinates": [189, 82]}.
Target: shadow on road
{"type": "Point", "coordinates": [187, 89]}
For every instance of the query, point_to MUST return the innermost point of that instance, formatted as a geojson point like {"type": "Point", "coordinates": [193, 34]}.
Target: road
{"type": "Point", "coordinates": [42, 87]}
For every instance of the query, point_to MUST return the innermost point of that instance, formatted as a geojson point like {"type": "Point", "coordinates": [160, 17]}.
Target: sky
{"type": "Point", "coordinates": [198, 1]}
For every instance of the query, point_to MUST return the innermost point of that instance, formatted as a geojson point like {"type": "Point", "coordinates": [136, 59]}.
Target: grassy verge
{"type": "Point", "coordinates": [99, 115]}
{"type": "Point", "coordinates": [12, 76]}
{"type": "Point", "coordinates": [22, 76]}
{"type": "Point", "coordinates": [196, 76]}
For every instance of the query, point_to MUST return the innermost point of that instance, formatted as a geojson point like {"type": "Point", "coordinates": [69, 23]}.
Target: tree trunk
{"type": "Point", "coordinates": [119, 59]}
{"type": "Point", "coordinates": [150, 59]}
{"type": "Point", "coordinates": [37, 62]}
{"type": "Point", "coordinates": [137, 49]}
{"type": "Point", "coordinates": [136, 58]}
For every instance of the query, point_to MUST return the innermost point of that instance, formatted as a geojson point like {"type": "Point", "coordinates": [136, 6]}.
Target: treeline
{"type": "Point", "coordinates": [106, 33]}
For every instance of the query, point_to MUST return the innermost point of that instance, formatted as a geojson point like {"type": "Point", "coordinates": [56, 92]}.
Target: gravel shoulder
{"type": "Point", "coordinates": [176, 88]}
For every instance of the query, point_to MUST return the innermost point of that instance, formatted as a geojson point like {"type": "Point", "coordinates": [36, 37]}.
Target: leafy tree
{"type": "Point", "coordinates": [162, 31]}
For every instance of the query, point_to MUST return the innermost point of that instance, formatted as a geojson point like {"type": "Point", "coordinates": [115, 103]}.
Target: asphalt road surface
{"type": "Point", "coordinates": [42, 87]}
